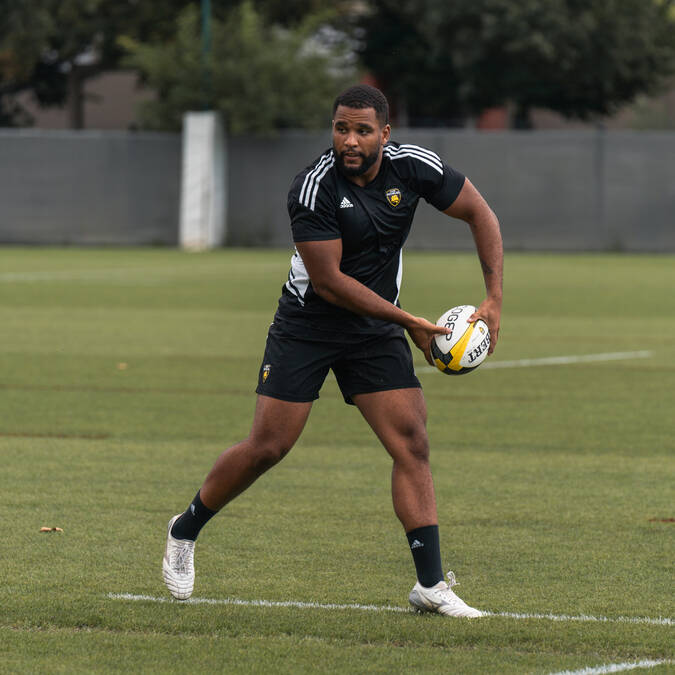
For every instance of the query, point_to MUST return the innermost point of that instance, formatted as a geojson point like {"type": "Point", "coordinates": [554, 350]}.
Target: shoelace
{"type": "Point", "coordinates": [183, 558]}
{"type": "Point", "coordinates": [447, 594]}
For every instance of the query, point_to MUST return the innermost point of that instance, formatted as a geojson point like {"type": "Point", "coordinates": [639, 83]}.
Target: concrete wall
{"type": "Point", "coordinates": [566, 190]}
{"type": "Point", "coordinates": [64, 187]}
{"type": "Point", "coordinates": [556, 190]}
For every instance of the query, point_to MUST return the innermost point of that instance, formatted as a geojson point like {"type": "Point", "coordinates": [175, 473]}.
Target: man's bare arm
{"type": "Point", "coordinates": [322, 261]}
{"type": "Point", "coordinates": [473, 209]}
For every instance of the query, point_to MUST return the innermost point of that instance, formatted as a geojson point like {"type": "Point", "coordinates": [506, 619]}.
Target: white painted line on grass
{"type": "Point", "coordinates": [258, 603]}
{"type": "Point", "coordinates": [120, 275]}
{"type": "Point", "coordinates": [615, 667]}
{"type": "Point", "coordinates": [556, 360]}
{"type": "Point", "coordinates": [659, 621]}
{"type": "Point", "coordinates": [383, 608]}
{"type": "Point", "coordinates": [65, 275]}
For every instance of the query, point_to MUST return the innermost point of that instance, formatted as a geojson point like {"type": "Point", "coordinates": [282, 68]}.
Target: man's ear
{"type": "Point", "coordinates": [386, 133]}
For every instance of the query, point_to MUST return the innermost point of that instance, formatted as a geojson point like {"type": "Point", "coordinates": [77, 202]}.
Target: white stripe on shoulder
{"type": "Point", "coordinates": [318, 180]}
{"type": "Point", "coordinates": [312, 172]}
{"type": "Point", "coordinates": [316, 173]}
{"type": "Point", "coordinates": [407, 150]}
{"type": "Point", "coordinates": [426, 156]}
{"type": "Point", "coordinates": [417, 148]}
{"type": "Point", "coordinates": [421, 159]}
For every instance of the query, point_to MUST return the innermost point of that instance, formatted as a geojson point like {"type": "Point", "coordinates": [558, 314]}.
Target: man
{"type": "Point", "coordinates": [351, 211]}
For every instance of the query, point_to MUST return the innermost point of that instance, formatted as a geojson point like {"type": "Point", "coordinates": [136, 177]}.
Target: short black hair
{"type": "Point", "coordinates": [364, 96]}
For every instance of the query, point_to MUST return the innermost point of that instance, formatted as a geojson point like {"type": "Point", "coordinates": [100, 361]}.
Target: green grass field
{"type": "Point", "coordinates": [124, 373]}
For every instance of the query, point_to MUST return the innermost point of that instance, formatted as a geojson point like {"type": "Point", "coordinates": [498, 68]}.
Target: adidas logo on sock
{"type": "Point", "coordinates": [192, 509]}
{"type": "Point", "coordinates": [346, 204]}
{"type": "Point", "coordinates": [416, 544]}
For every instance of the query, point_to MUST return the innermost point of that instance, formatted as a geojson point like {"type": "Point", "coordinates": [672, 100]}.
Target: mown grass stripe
{"type": "Point", "coordinates": [663, 621]}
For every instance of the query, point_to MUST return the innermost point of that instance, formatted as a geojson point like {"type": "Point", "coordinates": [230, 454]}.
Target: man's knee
{"type": "Point", "coordinates": [415, 440]}
{"type": "Point", "coordinates": [276, 426]}
{"type": "Point", "coordinates": [266, 452]}
{"type": "Point", "coordinates": [419, 446]}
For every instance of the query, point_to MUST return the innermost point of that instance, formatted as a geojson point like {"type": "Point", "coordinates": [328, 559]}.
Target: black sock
{"type": "Point", "coordinates": [191, 522]}
{"type": "Point", "coordinates": [426, 552]}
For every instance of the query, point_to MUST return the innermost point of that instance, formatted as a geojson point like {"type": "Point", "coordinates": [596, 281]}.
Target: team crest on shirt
{"type": "Point", "coordinates": [393, 196]}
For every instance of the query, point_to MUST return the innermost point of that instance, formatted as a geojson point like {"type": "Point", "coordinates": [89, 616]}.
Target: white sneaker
{"type": "Point", "coordinates": [441, 599]}
{"type": "Point", "coordinates": [178, 565]}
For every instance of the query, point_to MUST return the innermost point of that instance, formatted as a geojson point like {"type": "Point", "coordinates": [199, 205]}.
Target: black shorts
{"type": "Point", "coordinates": [294, 369]}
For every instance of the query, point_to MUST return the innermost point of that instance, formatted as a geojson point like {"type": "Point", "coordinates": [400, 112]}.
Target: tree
{"type": "Point", "coordinates": [52, 47]}
{"type": "Point", "coordinates": [581, 58]}
{"type": "Point", "coordinates": [415, 69]}
{"type": "Point", "coordinates": [261, 76]}
{"type": "Point", "coordinates": [22, 36]}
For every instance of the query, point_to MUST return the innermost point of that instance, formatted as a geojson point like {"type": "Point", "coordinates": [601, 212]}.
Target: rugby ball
{"type": "Point", "coordinates": [465, 347]}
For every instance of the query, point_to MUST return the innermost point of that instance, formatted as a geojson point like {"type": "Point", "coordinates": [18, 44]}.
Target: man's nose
{"type": "Point", "coordinates": [351, 139]}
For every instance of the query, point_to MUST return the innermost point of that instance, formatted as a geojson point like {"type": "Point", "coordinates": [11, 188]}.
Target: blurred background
{"type": "Point", "coordinates": [562, 112]}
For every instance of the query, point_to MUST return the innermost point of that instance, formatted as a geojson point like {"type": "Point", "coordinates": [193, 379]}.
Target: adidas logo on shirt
{"type": "Point", "coordinates": [346, 204]}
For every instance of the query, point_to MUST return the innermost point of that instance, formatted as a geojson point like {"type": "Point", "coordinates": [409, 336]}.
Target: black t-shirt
{"type": "Point", "coordinates": [373, 222]}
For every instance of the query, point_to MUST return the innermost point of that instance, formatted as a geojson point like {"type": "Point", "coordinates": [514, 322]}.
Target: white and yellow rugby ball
{"type": "Point", "coordinates": [465, 347]}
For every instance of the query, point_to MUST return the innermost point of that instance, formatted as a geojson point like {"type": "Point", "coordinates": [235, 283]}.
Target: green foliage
{"type": "Point", "coordinates": [174, 70]}
{"type": "Point", "coordinates": [271, 67]}
{"type": "Point", "coordinates": [22, 35]}
{"type": "Point", "coordinates": [47, 46]}
{"type": "Point", "coordinates": [413, 66]}
{"type": "Point", "coordinates": [261, 76]}
{"type": "Point", "coordinates": [23, 32]}
{"type": "Point", "coordinates": [579, 58]}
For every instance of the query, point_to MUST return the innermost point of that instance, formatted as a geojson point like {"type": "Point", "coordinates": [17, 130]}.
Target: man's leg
{"type": "Point", "coordinates": [398, 418]}
{"type": "Point", "coordinates": [276, 427]}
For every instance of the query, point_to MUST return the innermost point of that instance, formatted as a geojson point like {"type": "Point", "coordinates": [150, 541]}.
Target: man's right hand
{"type": "Point", "coordinates": [422, 332]}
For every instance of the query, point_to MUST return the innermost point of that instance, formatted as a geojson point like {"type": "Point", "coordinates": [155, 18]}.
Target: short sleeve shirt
{"type": "Point", "coordinates": [373, 222]}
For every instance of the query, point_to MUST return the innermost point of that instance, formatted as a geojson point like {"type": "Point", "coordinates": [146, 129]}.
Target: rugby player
{"type": "Point", "coordinates": [350, 213]}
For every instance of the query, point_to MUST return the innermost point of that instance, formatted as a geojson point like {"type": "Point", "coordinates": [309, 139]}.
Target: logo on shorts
{"type": "Point", "coordinates": [266, 372]}
{"type": "Point", "coordinates": [393, 196]}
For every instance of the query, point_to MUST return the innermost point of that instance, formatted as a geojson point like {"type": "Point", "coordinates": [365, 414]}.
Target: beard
{"type": "Point", "coordinates": [366, 162]}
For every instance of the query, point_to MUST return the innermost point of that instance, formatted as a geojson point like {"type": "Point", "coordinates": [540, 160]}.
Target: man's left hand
{"type": "Point", "coordinates": [490, 311]}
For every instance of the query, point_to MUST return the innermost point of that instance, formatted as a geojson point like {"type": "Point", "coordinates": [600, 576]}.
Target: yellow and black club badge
{"type": "Point", "coordinates": [266, 372]}
{"type": "Point", "coordinates": [393, 196]}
